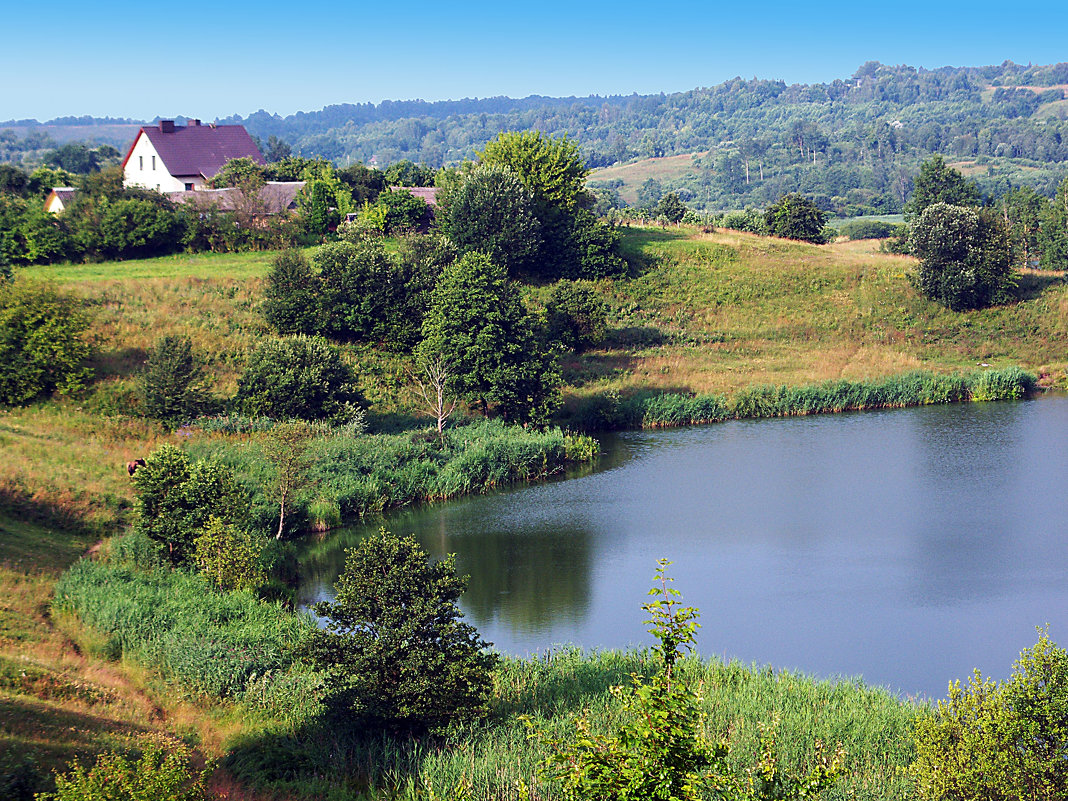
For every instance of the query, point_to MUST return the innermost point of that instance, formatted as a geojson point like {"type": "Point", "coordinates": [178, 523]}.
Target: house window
{"type": "Point", "coordinates": [188, 187]}
{"type": "Point", "coordinates": [153, 162]}
{"type": "Point", "coordinates": [141, 162]}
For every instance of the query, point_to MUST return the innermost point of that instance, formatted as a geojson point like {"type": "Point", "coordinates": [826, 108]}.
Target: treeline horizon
{"type": "Point", "coordinates": [850, 144]}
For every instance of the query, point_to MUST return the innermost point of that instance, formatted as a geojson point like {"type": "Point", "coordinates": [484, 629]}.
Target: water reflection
{"type": "Point", "coordinates": [907, 547]}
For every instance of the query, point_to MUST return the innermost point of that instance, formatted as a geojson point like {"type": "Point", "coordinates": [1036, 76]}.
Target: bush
{"type": "Point", "coordinates": [137, 228]}
{"type": "Point", "coordinates": [394, 651]}
{"type": "Point", "coordinates": [993, 741]}
{"type": "Point", "coordinates": [291, 300]}
{"type": "Point", "coordinates": [592, 249]}
{"type": "Point", "coordinates": [576, 315]}
{"type": "Point", "coordinates": [965, 257]}
{"type": "Point", "coordinates": [402, 211]}
{"type": "Point", "coordinates": [42, 343]}
{"type": "Point", "coordinates": [868, 229]}
{"type": "Point", "coordinates": [163, 772]}
{"type": "Point", "coordinates": [171, 382]}
{"type": "Point", "coordinates": [750, 220]}
{"type": "Point", "coordinates": [298, 377]}
{"type": "Point", "coordinates": [795, 217]}
{"type": "Point", "coordinates": [229, 557]}
{"type": "Point", "coordinates": [176, 498]}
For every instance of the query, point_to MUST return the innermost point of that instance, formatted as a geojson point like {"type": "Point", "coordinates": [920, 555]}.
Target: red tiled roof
{"type": "Point", "coordinates": [199, 150]}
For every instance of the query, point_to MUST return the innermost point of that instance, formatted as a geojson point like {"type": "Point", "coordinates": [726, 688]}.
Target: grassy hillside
{"type": "Point", "coordinates": [703, 313]}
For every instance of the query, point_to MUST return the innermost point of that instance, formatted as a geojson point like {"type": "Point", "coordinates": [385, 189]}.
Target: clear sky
{"type": "Point", "coordinates": [212, 59]}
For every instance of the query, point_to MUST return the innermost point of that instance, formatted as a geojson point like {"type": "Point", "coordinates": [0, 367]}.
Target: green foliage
{"type": "Point", "coordinates": [285, 447]}
{"type": "Point", "coordinates": [911, 389]}
{"type": "Point", "coordinates": [593, 249]}
{"type": "Point", "coordinates": [401, 211]}
{"type": "Point", "coordinates": [365, 183]}
{"type": "Point", "coordinates": [1052, 238]}
{"type": "Point", "coordinates": [552, 169]}
{"type": "Point", "coordinates": [576, 315]}
{"type": "Point", "coordinates": [172, 380]}
{"type": "Point", "coordinates": [163, 772]}
{"type": "Point", "coordinates": [221, 645]}
{"type": "Point", "coordinates": [965, 256]}
{"type": "Point", "coordinates": [671, 208]}
{"type": "Point", "coordinates": [29, 234]}
{"type": "Point", "coordinates": [136, 228]}
{"type": "Point", "coordinates": [993, 741]}
{"type": "Point", "coordinates": [229, 557]}
{"type": "Point", "coordinates": [795, 217]}
{"type": "Point", "coordinates": [291, 302]}
{"type": "Point", "coordinates": [243, 173]}
{"type": "Point", "coordinates": [658, 751]}
{"type": "Point", "coordinates": [42, 342]}
{"type": "Point", "coordinates": [749, 220]}
{"type": "Point", "coordinates": [939, 183]}
{"type": "Point", "coordinates": [407, 173]}
{"type": "Point", "coordinates": [489, 343]}
{"type": "Point", "coordinates": [868, 229]}
{"type": "Point", "coordinates": [298, 376]}
{"type": "Point", "coordinates": [491, 211]}
{"type": "Point", "coordinates": [176, 497]}
{"type": "Point", "coordinates": [395, 652]}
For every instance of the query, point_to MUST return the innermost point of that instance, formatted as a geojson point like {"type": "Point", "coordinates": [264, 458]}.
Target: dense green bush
{"type": "Point", "coordinates": [868, 229]}
{"type": "Point", "coordinates": [298, 377]}
{"type": "Point", "coordinates": [965, 256]}
{"type": "Point", "coordinates": [401, 211]}
{"type": "Point", "coordinates": [172, 382]}
{"type": "Point", "coordinates": [492, 212]}
{"type": "Point", "coordinates": [162, 772]}
{"type": "Point", "coordinates": [42, 342]}
{"type": "Point", "coordinates": [749, 220]}
{"type": "Point", "coordinates": [176, 498]}
{"type": "Point", "coordinates": [395, 652]}
{"type": "Point", "coordinates": [490, 344]}
{"type": "Point", "coordinates": [1005, 741]}
{"type": "Point", "coordinates": [291, 299]}
{"type": "Point", "coordinates": [576, 315]}
{"type": "Point", "coordinates": [794, 216]}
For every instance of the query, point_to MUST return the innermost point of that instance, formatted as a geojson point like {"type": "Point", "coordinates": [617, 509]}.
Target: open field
{"type": "Point", "coordinates": [636, 173]}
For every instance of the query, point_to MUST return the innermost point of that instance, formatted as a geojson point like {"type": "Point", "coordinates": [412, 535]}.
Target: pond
{"type": "Point", "coordinates": [902, 547]}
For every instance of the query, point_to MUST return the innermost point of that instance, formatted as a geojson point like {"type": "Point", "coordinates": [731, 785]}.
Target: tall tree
{"type": "Point", "coordinates": [940, 183]}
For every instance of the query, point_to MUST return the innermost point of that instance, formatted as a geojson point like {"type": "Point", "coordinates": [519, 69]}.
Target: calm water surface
{"type": "Point", "coordinates": [904, 547]}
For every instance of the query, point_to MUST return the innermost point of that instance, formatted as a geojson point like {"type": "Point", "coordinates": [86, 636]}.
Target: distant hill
{"type": "Point", "coordinates": [853, 143]}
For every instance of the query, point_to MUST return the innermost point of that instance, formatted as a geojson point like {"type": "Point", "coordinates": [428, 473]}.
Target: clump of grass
{"type": "Point", "coordinates": [917, 388]}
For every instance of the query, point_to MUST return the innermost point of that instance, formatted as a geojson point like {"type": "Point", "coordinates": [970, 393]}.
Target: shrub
{"type": "Point", "coordinates": [172, 382]}
{"type": "Point", "coordinates": [965, 257]}
{"type": "Point", "coordinates": [291, 298]}
{"type": "Point", "coordinates": [795, 217]}
{"type": "Point", "coordinates": [749, 220]}
{"type": "Point", "coordinates": [135, 228]}
{"type": "Point", "coordinates": [42, 343]}
{"type": "Point", "coordinates": [593, 249]}
{"type": "Point", "coordinates": [163, 772]}
{"type": "Point", "coordinates": [659, 751]}
{"type": "Point", "coordinates": [395, 652]}
{"type": "Point", "coordinates": [402, 211]}
{"type": "Point", "coordinates": [229, 557]}
{"type": "Point", "coordinates": [868, 229]}
{"type": "Point", "coordinates": [993, 741]}
{"type": "Point", "coordinates": [297, 377]}
{"type": "Point", "coordinates": [577, 317]}
{"type": "Point", "coordinates": [176, 498]}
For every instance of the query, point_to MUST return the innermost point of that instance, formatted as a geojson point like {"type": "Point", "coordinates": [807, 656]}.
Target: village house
{"type": "Point", "coordinates": [183, 158]}
{"type": "Point", "coordinates": [59, 198]}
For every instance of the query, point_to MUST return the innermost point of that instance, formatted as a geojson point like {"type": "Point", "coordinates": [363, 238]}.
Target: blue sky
{"type": "Point", "coordinates": [212, 59]}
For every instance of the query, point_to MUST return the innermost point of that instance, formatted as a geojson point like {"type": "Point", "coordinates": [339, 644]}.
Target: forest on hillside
{"type": "Point", "coordinates": [851, 144]}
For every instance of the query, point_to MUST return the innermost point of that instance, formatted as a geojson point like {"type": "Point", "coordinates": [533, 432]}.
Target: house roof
{"type": "Point", "coordinates": [64, 193]}
{"type": "Point", "coordinates": [275, 197]}
{"type": "Point", "coordinates": [198, 150]}
{"type": "Point", "coordinates": [429, 194]}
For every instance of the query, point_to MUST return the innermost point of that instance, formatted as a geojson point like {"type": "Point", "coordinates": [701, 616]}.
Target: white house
{"type": "Point", "coordinates": [183, 158]}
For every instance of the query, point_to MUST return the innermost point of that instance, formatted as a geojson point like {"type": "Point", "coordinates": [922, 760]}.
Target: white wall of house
{"type": "Point", "coordinates": [53, 204]}
{"type": "Point", "coordinates": [145, 169]}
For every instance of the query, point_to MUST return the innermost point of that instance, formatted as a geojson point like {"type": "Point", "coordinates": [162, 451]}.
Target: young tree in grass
{"type": "Point", "coordinates": [395, 650]}
{"type": "Point", "coordinates": [228, 556]}
{"type": "Point", "coordinates": [795, 217]}
{"type": "Point", "coordinates": [432, 380]}
{"type": "Point", "coordinates": [285, 447]}
{"type": "Point", "coordinates": [172, 382]}
{"type": "Point", "coordinates": [292, 297]}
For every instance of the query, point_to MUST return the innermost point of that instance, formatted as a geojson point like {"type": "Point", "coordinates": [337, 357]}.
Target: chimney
{"type": "Point", "coordinates": [166, 126]}
{"type": "Point", "coordinates": [195, 123]}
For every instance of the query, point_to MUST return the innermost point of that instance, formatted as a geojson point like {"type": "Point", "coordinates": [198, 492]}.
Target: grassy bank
{"type": "Point", "coordinates": [650, 410]}
{"type": "Point", "coordinates": [232, 651]}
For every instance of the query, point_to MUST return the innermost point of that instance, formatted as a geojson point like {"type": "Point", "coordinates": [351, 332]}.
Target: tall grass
{"type": "Point", "coordinates": [645, 410]}
{"type": "Point", "coordinates": [352, 476]}
{"type": "Point", "coordinates": [871, 725]}
{"type": "Point", "coordinates": [217, 645]}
